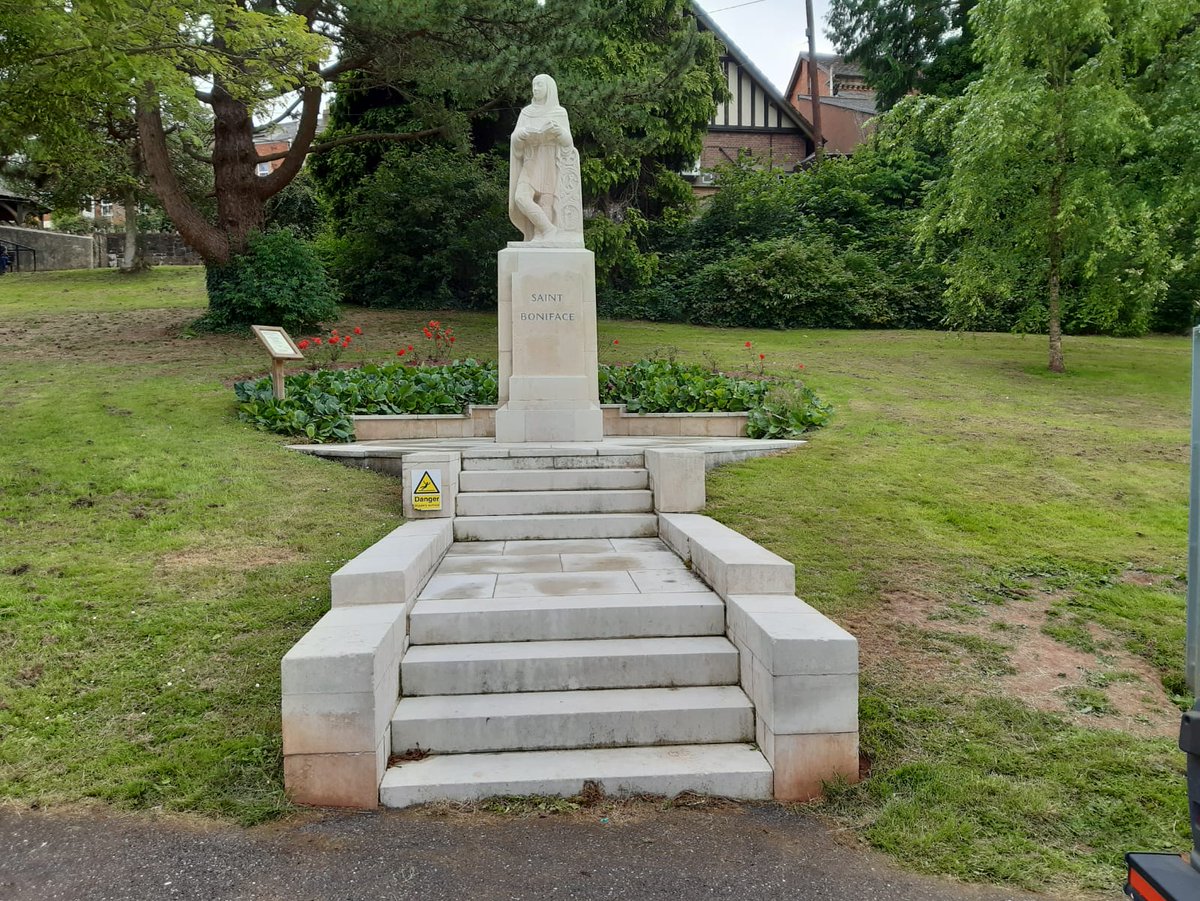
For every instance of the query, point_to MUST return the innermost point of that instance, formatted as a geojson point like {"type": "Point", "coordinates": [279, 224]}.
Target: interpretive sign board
{"type": "Point", "coordinates": [281, 347]}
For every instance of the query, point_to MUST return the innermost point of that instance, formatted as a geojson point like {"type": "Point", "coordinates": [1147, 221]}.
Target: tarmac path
{"type": "Point", "coordinates": [636, 851]}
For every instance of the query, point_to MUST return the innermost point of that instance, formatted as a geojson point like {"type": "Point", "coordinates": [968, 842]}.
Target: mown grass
{"type": "Point", "coordinates": [180, 547]}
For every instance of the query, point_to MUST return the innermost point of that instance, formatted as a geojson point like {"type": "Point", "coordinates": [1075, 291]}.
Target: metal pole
{"type": "Point", "coordinates": [1193, 570]}
{"type": "Point", "coordinates": [814, 86]}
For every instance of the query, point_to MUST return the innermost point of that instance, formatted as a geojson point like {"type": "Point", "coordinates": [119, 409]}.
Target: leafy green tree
{"type": "Point", "coordinates": [641, 87]}
{"type": "Point", "coordinates": [906, 45]}
{"type": "Point", "coordinates": [1040, 207]}
{"type": "Point", "coordinates": [1168, 91]}
{"type": "Point", "coordinates": [228, 63]}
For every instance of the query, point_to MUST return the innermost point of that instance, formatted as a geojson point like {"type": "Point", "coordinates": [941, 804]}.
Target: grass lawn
{"type": "Point", "coordinates": [1009, 547]}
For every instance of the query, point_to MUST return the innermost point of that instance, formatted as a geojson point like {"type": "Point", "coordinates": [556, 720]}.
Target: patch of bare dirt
{"type": "Point", "coordinates": [1047, 674]}
{"type": "Point", "coordinates": [241, 559]}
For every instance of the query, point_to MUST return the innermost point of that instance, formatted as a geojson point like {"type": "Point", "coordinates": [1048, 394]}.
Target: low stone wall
{"type": "Point", "coordinates": [163, 249]}
{"type": "Point", "coordinates": [799, 668]}
{"type": "Point", "coordinates": [341, 680]}
{"type": "Point", "coordinates": [480, 422]}
{"type": "Point", "coordinates": [55, 250]}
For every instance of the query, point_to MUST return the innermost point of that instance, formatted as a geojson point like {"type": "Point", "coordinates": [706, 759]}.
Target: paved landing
{"type": "Point", "coordinates": [559, 568]}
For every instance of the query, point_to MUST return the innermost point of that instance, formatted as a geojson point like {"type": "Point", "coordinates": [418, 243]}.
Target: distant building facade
{"type": "Point", "coordinates": [847, 101]}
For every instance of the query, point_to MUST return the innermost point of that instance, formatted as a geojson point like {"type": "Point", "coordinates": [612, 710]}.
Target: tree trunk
{"type": "Point", "coordinates": [240, 207]}
{"type": "Point", "coordinates": [135, 253]}
{"type": "Point", "coordinates": [1055, 286]}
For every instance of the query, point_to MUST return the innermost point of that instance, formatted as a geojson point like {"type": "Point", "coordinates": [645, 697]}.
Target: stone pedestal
{"type": "Point", "coordinates": [548, 357]}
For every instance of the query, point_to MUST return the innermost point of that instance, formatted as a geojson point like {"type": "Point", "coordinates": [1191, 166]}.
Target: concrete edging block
{"type": "Point", "coordinates": [340, 683]}
{"type": "Point", "coordinates": [395, 568]}
{"type": "Point", "coordinates": [727, 560]}
{"type": "Point", "coordinates": [676, 478]}
{"type": "Point", "coordinates": [449, 464]}
{"type": "Point", "coordinates": [789, 637]}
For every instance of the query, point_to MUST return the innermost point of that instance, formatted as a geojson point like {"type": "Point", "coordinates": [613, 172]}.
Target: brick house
{"type": "Point", "coordinates": [755, 119]}
{"type": "Point", "coordinates": [278, 139]}
{"type": "Point", "coordinates": [847, 102]}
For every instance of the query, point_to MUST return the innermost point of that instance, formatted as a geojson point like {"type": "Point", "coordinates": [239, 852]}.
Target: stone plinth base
{"type": "Point", "coordinates": [548, 358]}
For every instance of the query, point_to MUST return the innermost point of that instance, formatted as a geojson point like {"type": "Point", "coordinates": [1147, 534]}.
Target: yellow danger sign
{"type": "Point", "coordinates": [427, 493]}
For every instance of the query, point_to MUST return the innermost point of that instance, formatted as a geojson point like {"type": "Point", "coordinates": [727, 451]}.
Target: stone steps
{"type": "Point", "coordinates": [525, 503]}
{"type": "Point", "coordinates": [481, 668]}
{"type": "Point", "coordinates": [572, 719]}
{"type": "Point", "coordinates": [538, 618]}
{"type": "Point", "coordinates": [553, 480]}
{"type": "Point", "coordinates": [730, 770]}
{"type": "Point", "coordinates": [555, 525]}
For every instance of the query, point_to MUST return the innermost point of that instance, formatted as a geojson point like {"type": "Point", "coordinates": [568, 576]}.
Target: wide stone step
{"type": "Point", "coordinates": [533, 721]}
{"type": "Point", "coordinates": [727, 770]}
{"type": "Point", "coordinates": [553, 479]}
{"type": "Point", "coordinates": [555, 525]}
{"type": "Point", "coordinates": [539, 618]}
{"type": "Point", "coordinates": [524, 503]}
{"type": "Point", "coordinates": [499, 667]}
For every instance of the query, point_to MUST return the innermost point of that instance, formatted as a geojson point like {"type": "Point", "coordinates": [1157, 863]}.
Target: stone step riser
{"type": "Point", "coordinates": [553, 480]}
{"type": "Point", "coordinates": [517, 528]}
{"type": "Point", "coordinates": [559, 619]}
{"type": "Point", "coordinates": [592, 461]}
{"type": "Point", "coordinates": [558, 720]}
{"type": "Point", "coordinates": [732, 771]}
{"type": "Point", "coordinates": [532, 503]}
{"type": "Point", "coordinates": [567, 666]}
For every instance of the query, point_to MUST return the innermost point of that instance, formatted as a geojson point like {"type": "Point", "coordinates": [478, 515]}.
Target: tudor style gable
{"type": "Point", "coordinates": [755, 118]}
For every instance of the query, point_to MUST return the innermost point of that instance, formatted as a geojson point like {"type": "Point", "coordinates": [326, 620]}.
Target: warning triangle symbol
{"type": "Point", "coordinates": [426, 486]}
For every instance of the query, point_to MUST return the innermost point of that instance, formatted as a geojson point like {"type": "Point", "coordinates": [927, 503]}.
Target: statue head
{"type": "Point", "coordinates": [545, 91]}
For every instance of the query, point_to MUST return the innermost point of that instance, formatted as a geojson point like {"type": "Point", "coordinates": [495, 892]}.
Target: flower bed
{"type": "Point", "coordinates": [319, 405]}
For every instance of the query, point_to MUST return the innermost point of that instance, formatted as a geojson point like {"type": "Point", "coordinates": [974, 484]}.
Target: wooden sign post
{"type": "Point", "coordinates": [281, 348]}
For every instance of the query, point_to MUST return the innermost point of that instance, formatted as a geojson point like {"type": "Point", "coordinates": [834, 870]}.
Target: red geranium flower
{"type": "Point", "coordinates": [762, 356]}
{"type": "Point", "coordinates": [357, 330]}
{"type": "Point", "coordinates": [410, 347]}
{"type": "Point", "coordinates": [316, 340]}
{"type": "Point", "coordinates": [303, 343]}
{"type": "Point", "coordinates": [799, 365]}
{"type": "Point", "coordinates": [747, 343]}
{"type": "Point", "coordinates": [451, 339]}
{"type": "Point", "coordinates": [615, 341]}
{"type": "Point", "coordinates": [346, 341]}
{"type": "Point", "coordinates": [400, 352]}
{"type": "Point", "coordinates": [428, 334]}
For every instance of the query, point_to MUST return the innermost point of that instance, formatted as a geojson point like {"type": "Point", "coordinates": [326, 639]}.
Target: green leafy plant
{"type": "Point", "coordinates": [319, 404]}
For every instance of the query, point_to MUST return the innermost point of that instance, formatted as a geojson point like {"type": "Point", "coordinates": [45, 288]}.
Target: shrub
{"type": "Point", "coordinates": [424, 231]}
{"type": "Point", "coordinates": [278, 281]}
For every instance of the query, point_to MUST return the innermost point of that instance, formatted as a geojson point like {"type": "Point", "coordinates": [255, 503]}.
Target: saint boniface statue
{"type": "Point", "coordinates": [544, 196]}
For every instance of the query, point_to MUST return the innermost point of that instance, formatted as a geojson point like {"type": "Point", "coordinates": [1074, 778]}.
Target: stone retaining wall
{"type": "Point", "coordinates": [480, 422]}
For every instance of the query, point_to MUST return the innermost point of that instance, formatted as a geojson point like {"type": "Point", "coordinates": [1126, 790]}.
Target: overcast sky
{"type": "Point", "coordinates": [769, 32]}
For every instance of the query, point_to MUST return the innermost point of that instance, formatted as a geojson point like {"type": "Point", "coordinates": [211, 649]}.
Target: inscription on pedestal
{"type": "Point", "coordinates": [548, 326]}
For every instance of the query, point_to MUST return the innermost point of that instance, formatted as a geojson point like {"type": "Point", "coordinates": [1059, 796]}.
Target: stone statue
{"type": "Point", "coordinates": [544, 196]}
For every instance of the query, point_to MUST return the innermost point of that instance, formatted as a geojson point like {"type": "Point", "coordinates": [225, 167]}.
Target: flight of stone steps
{"type": "Point", "coordinates": [560, 642]}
